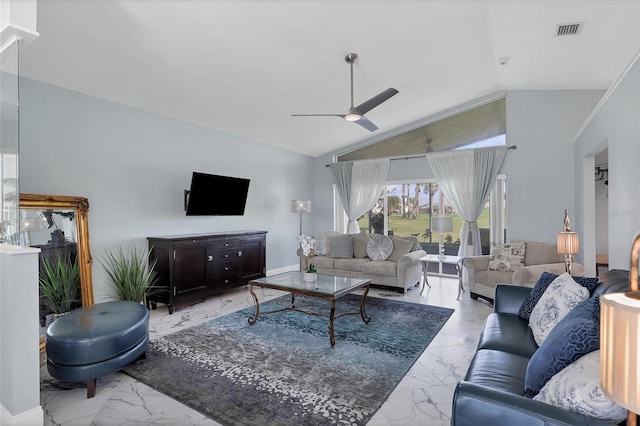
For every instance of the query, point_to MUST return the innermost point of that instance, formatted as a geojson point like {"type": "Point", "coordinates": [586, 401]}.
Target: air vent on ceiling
{"type": "Point", "coordinates": [569, 29]}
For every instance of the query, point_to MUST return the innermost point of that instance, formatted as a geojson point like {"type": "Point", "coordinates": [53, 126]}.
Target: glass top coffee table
{"type": "Point", "coordinates": [326, 287]}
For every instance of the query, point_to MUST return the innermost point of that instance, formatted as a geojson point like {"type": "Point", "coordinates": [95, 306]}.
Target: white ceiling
{"type": "Point", "coordinates": [244, 67]}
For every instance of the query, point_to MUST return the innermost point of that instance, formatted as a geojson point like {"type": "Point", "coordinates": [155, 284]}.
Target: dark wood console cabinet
{"type": "Point", "coordinates": [204, 264]}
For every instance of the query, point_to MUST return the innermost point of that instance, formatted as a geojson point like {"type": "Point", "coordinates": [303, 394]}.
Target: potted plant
{"type": "Point", "coordinates": [308, 244]}
{"type": "Point", "coordinates": [59, 286]}
{"type": "Point", "coordinates": [129, 274]}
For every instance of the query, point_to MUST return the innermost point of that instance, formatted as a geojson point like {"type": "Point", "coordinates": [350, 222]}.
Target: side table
{"type": "Point", "coordinates": [434, 258]}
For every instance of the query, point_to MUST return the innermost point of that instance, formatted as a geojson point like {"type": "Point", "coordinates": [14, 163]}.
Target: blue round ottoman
{"type": "Point", "coordinates": [96, 340]}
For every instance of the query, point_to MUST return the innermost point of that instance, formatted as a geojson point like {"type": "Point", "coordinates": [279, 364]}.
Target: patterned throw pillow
{"type": "Point", "coordinates": [590, 283]}
{"type": "Point", "coordinates": [507, 257]}
{"type": "Point", "coordinates": [575, 336]}
{"type": "Point", "coordinates": [379, 247]}
{"type": "Point", "coordinates": [562, 295]}
{"type": "Point", "coordinates": [578, 388]}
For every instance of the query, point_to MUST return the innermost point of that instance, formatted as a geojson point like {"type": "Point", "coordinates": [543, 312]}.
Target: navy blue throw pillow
{"type": "Point", "coordinates": [532, 299]}
{"type": "Point", "coordinates": [541, 285]}
{"type": "Point", "coordinates": [576, 335]}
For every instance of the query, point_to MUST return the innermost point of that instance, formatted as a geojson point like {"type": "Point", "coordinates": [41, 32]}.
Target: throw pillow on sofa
{"type": "Point", "coordinates": [562, 295]}
{"type": "Point", "coordinates": [507, 257]}
{"type": "Point", "coordinates": [578, 388]}
{"type": "Point", "coordinates": [379, 247]}
{"type": "Point", "coordinates": [322, 242]}
{"type": "Point", "coordinates": [400, 248]}
{"type": "Point", "coordinates": [360, 242]}
{"type": "Point", "coordinates": [541, 285]}
{"type": "Point", "coordinates": [575, 336]}
{"type": "Point", "coordinates": [342, 247]}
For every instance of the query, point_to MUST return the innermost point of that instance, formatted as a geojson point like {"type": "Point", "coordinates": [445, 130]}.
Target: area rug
{"type": "Point", "coordinates": [282, 370]}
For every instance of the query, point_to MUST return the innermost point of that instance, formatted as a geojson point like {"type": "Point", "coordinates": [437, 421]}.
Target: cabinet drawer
{"type": "Point", "coordinates": [227, 243]}
{"type": "Point", "coordinates": [226, 269]}
{"type": "Point", "coordinates": [227, 255]}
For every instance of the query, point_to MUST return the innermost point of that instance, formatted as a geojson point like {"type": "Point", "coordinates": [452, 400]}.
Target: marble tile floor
{"type": "Point", "coordinates": [423, 397]}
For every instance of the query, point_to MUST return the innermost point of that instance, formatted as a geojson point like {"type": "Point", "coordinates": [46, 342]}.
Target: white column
{"type": "Point", "coordinates": [19, 337]}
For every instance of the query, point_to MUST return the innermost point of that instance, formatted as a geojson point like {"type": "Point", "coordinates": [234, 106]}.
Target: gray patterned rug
{"type": "Point", "coordinates": [282, 370]}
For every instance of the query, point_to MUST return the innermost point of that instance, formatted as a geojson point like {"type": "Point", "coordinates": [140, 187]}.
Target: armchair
{"type": "Point", "coordinates": [539, 258]}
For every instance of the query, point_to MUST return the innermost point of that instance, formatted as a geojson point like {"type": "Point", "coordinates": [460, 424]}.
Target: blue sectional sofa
{"type": "Point", "coordinates": [492, 392]}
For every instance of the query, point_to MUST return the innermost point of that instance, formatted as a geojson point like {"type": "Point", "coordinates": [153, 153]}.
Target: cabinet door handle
{"type": "Point", "coordinates": [239, 253]}
{"type": "Point", "coordinates": [226, 255]}
{"type": "Point", "coordinates": [226, 244]}
{"type": "Point", "coordinates": [209, 258]}
{"type": "Point", "coordinates": [226, 268]}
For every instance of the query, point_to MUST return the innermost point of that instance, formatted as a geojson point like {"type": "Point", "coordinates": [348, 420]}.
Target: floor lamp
{"type": "Point", "coordinates": [620, 342]}
{"type": "Point", "coordinates": [300, 206]}
{"type": "Point", "coordinates": [568, 243]}
{"type": "Point", "coordinates": [441, 224]}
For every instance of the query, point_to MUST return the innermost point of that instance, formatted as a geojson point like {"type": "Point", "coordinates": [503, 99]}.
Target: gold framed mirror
{"type": "Point", "coordinates": [67, 209]}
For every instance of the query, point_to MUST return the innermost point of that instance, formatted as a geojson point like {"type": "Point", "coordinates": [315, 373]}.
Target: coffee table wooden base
{"type": "Point", "coordinates": [332, 316]}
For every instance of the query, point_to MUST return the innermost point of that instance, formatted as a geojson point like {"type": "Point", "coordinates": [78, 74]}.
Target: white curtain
{"type": "Point", "coordinates": [467, 177]}
{"type": "Point", "coordinates": [359, 185]}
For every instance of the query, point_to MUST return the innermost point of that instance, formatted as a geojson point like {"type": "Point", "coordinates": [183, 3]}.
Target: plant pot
{"type": "Point", "coordinates": [309, 276]}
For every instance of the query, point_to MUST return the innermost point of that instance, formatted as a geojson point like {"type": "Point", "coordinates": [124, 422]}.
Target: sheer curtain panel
{"type": "Point", "coordinates": [467, 177]}
{"type": "Point", "coordinates": [359, 185]}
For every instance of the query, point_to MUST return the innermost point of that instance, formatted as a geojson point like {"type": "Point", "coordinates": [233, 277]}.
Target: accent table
{"type": "Point", "coordinates": [434, 258]}
{"type": "Point", "coordinates": [325, 286]}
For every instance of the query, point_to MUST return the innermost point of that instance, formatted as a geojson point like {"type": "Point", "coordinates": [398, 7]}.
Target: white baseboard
{"type": "Point", "coordinates": [33, 417]}
{"type": "Point", "coordinates": [283, 270]}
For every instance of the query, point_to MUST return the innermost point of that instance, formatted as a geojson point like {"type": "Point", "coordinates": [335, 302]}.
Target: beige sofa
{"type": "Point", "coordinates": [539, 258]}
{"type": "Point", "coordinates": [401, 270]}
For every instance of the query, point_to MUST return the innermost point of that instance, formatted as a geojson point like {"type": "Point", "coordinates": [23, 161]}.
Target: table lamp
{"type": "Point", "coordinates": [620, 342]}
{"type": "Point", "coordinates": [568, 243]}
{"type": "Point", "coordinates": [300, 206]}
{"type": "Point", "coordinates": [441, 224]}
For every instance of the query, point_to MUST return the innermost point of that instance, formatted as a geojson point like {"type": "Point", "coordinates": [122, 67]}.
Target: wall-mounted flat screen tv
{"type": "Point", "coordinates": [214, 195]}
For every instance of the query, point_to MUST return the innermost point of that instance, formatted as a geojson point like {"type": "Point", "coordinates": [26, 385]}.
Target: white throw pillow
{"type": "Point", "coordinates": [562, 295]}
{"type": "Point", "coordinates": [578, 387]}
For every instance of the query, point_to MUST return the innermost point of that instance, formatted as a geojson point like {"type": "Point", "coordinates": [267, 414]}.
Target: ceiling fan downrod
{"type": "Point", "coordinates": [353, 115]}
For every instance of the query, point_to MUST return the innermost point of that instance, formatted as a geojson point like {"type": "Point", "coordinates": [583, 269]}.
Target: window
{"type": "Point", "coordinates": [406, 209]}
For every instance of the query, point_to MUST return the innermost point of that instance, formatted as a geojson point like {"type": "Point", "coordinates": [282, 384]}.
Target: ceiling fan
{"type": "Point", "coordinates": [356, 114]}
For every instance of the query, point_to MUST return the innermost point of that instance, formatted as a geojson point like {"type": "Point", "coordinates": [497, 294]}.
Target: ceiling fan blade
{"type": "Point", "coordinates": [317, 115]}
{"type": "Point", "coordinates": [367, 106]}
{"type": "Point", "coordinates": [364, 122]}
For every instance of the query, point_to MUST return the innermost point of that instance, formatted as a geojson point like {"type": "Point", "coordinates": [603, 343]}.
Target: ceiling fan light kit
{"type": "Point", "coordinates": [356, 113]}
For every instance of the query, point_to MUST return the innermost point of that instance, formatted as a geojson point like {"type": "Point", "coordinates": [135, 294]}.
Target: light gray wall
{"type": "Point", "coordinates": [133, 166]}
{"type": "Point", "coordinates": [539, 172]}
{"type": "Point", "coordinates": [616, 125]}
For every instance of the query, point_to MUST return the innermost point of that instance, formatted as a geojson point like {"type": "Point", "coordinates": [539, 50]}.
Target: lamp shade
{"type": "Point", "coordinates": [620, 348]}
{"type": "Point", "coordinates": [442, 223]}
{"type": "Point", "coordinates": [300, 206]}
{"type": "Point", "coordinates": [568, 242]}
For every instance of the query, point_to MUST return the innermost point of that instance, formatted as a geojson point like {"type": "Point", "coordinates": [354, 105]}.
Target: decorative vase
{"type": "Point", "coordinates": [309, 276]}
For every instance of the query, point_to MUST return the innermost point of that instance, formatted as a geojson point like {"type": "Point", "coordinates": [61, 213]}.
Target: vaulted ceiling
{"type": "Point", "coordinates": [244, 67]}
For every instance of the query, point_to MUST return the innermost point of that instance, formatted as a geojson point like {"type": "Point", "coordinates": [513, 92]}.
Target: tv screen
{"type": "Point", "coordinates": [214, 195]}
